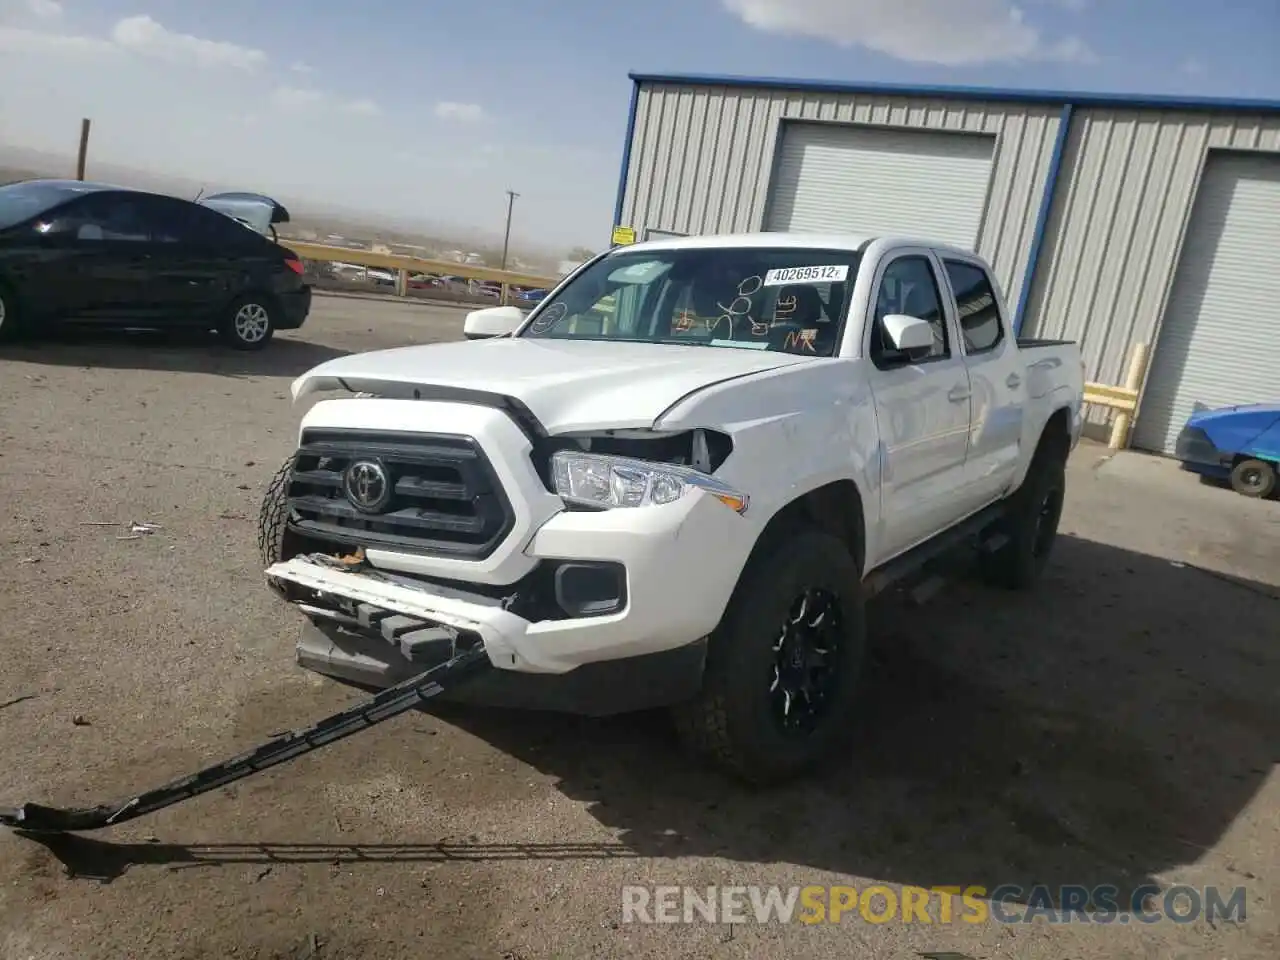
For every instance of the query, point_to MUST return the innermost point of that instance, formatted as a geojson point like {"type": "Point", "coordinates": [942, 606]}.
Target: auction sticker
{"type": "Point", "coordinates": [832, 273]}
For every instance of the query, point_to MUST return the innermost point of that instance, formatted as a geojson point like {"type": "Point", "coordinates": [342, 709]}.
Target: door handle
{"type": "Point", "coordinates": [1013, 381]}
{"type": "Point", "coordinates": [958, 394]}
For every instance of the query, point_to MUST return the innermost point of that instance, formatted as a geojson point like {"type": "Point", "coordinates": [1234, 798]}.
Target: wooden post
{"type": "Point", "coordinates": [84, 148]}
{"type": "Point", "coordinates": [1132, 381]}
{"type": "Point", "coordinates": [402, 282]}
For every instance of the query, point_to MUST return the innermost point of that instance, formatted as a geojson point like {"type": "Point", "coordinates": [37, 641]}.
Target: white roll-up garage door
{"type": "Point", "coordinates": [1219, 344]}
{"type": "Point", "coordinates": [835, 178]}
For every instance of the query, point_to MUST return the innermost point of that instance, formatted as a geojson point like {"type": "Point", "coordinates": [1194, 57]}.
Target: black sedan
{"type": "Point", "coordinates": [96, 255]}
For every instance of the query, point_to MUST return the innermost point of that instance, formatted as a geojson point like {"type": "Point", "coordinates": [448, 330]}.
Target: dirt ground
{"type": "Point", "coordinates": [1118, 725]}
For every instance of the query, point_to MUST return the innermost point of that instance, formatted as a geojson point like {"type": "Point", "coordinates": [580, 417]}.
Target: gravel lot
{"type": "Point", "coordinates": [1117, 725]}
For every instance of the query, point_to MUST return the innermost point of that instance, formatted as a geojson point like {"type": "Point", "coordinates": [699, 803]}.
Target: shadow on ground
{"type": "Point", "coordinates": [176, 351]}
{"type": "Point", "coordinates": [1104, 728]}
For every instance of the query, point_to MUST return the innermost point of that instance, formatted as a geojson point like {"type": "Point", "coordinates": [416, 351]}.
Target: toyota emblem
{"type": "Point", "coordinates": [367, 485]}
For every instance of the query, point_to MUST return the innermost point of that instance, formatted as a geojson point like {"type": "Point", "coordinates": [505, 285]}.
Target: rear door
{"type": "Point", "coordinates": [922, 405]}
{"type": "Point", "coordinates": [996, 375]}
{"type": "Point", "coordinates": [201, 259]}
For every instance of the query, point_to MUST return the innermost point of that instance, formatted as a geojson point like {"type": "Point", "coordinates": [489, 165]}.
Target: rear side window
{"type": "Point", "coordinates": [980, 322]}
{"type": "Point", "coordinates": [190, 223]}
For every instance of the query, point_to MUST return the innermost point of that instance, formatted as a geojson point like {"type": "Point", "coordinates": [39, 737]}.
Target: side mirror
{"type": "Point", "coordinates": [910, 336]}
{"type": "Point", "coordinates": [492, 322]}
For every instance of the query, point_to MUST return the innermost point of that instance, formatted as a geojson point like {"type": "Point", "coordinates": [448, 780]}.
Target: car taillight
{"type": "Point", "coordinates": [294, 264]}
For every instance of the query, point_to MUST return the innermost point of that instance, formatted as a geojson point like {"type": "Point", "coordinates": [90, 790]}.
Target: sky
{"type": "Point", "coordinates": [433, 109]}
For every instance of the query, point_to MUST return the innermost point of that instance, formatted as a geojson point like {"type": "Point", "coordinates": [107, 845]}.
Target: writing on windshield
{"type": "Point", "coordinates": [787, 299]}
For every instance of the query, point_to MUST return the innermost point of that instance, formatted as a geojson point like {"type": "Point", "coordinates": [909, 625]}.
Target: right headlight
{"type": "Point", "coordinates": [602, 480]}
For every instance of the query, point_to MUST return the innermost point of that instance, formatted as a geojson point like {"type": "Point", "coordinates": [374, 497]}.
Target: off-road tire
{"type": "Point", "coordinates": [1018, 564]}
{"type": "Point", "coordinates": [729, 723]}
{"type": "Point", "coordinates": [1254, 478]}
{"type": "Point", "coordinates": [263, 306]}
{"type": "Point", "coordinates": [276, 542]}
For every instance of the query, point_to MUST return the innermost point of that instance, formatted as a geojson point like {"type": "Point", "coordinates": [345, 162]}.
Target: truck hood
{"type": "Point", "coordinates": [567, 385]}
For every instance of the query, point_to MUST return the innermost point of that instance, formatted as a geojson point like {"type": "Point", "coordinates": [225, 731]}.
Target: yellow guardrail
{"type": "Point", "coordinates": [368, 258]}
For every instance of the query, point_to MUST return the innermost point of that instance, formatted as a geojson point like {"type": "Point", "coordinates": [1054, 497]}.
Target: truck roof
{"type": "Point", "coordinates": [852, 242]}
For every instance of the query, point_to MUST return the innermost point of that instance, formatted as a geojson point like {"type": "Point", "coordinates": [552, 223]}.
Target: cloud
{"type": "Point", "coordinates": [45, 9]}
{"type": "Point", "coordinates": [299, 67]}
{"type": "Point", "coordinates": [22, 10]}
{"type": "Point", "coordinates": [296, 99]}
{"type": "Point", "coordinates": [462, 112]}
{"type": "Point", "coordinates": [364, 108]}
{"type": "Point", "coordinates": [1192, 67]}
{"type": "Point", "coordinates": [946, 32]}
{"type": "Point", "coordinates": [18, 40]}
{"type": "Point", "coordinates": [145, 36]}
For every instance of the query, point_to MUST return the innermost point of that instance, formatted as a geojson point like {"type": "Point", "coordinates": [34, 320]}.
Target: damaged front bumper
{"type": "Point", "coordinates": [376, 633]}
{"type": "Point", "coordinates": [679, 565]}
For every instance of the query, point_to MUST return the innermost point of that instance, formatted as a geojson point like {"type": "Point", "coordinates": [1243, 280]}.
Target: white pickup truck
{"type": "Point", "coordinates": [675, 482]}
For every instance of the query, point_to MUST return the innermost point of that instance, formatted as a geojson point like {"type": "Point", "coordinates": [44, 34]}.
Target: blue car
{"type": "Point", "coordinates": [1239, 444]}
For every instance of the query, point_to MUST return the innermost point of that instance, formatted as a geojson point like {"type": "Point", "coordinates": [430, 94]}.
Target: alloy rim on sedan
{"type": "Point", "coordinates": [252, 322]}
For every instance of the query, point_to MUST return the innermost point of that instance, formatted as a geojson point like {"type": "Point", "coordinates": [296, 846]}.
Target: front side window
{"type": "Point", "coordinates": [909, 288]}
{"type": "Point", "coordinates": [100, 217]}
{"type": "Point", "coordinates": [787, 299]}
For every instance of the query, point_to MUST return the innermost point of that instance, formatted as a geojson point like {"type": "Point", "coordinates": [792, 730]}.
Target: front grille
{"type": "Point", "coordinates": [441, 497]}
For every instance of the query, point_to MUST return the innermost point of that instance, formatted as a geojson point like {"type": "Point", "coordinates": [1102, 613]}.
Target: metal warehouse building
{"type": "Point", "coordinates": [1109, 220]}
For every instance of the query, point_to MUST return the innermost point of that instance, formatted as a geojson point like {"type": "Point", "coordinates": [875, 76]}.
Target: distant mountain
{"type": "Point", "coordinates": [21, 163]}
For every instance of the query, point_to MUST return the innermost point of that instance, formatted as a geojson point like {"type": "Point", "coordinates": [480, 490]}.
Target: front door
{"type": "Point", "coordinates": [923, 406]}
{"type": "Point", "coordinates": [113, 259]}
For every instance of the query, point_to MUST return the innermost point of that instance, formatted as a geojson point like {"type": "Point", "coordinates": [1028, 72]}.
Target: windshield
{"type": "Point", "coordinates": [30, 198]}
{"type": "Point", "coordinates": [788, 299]}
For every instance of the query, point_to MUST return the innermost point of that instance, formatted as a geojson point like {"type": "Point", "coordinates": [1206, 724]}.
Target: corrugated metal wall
{"type": "Point", "coordinates": [701, 158]}
{"type": "Point", "coordinates": [1122, 202]}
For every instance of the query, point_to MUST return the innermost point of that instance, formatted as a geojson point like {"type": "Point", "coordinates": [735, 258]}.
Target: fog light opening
{"type": "Point", "coordinates": [590, 589]}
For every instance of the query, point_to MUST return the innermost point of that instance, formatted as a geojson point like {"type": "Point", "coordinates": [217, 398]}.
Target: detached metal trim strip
{"type": "Point", "coordinates": [1042, 218]}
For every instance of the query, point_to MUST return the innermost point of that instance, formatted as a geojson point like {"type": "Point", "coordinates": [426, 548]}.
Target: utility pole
{"type": "Point", "coordinates": [84, 148]}
{"type": "Point", "coordinates": [506, 244]}
{"type": "Point", "coordinates": [506, 239]}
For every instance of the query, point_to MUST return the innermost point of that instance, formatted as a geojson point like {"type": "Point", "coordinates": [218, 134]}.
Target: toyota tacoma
{"type": "Point", "coordinates": [675, 482]}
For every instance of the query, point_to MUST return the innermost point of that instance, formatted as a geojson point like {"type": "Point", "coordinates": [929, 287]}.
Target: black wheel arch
{"type": "Point", "coordinates": [1055, 438]}
{"type": "Point", "coordinates": [836, 507]}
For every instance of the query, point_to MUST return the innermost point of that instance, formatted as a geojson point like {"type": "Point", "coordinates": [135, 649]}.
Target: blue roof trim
{"type": "Point", "coordinates": [1042, 217]}
{"type": "Point", "coordinates": [626, 155]}
{"type": "Point", "coordinates": [1076, 98]}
